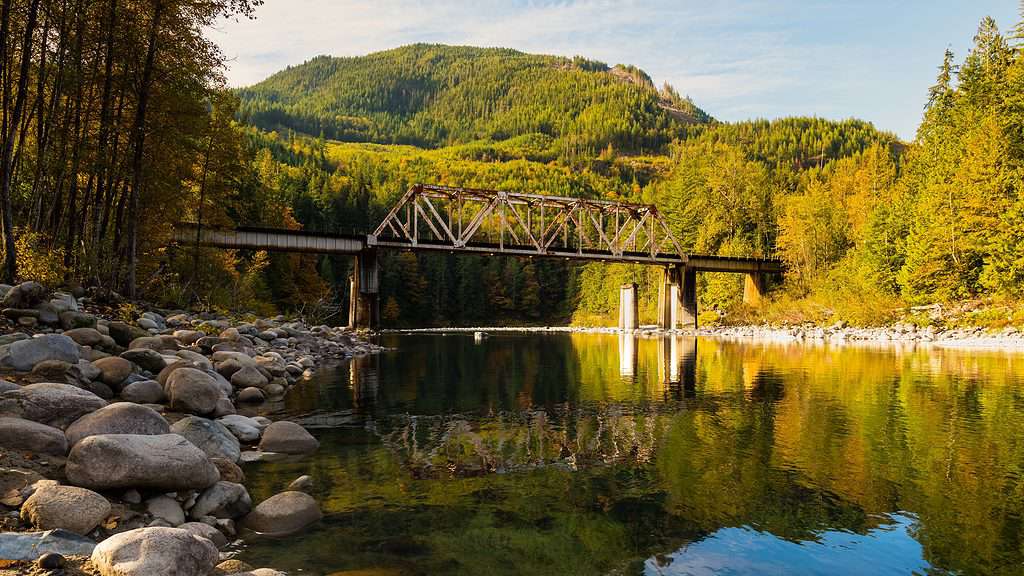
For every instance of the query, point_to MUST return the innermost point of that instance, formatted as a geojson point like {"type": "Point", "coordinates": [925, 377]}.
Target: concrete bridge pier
{"type": "Point", "coordinates": [677, 298]}
{"type": "Point", "coordinates": [754, 285]}
{"type": "Point", "coordinates": [364, 301]}
{"type": "Point", "coordinates": [628, 309]}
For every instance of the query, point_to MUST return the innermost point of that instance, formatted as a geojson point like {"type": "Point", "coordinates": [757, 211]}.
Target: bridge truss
{"type": "Point", "coordinates": [489, 221]}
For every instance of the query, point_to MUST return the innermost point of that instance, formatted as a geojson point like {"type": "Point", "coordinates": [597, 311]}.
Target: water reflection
{"type": "Point", "coordinates": [543, 455]}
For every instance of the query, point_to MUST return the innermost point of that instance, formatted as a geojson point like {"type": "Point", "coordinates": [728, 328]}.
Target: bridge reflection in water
{"type": "Point", "coordinates": [677, 362]}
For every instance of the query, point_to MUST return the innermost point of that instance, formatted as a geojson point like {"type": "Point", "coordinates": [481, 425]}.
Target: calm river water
{"type": "Point", "coordinates": [600, 454]}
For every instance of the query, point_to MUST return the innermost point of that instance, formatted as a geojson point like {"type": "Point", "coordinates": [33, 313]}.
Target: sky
{"type": "Point", "coordinates": [737, 59]}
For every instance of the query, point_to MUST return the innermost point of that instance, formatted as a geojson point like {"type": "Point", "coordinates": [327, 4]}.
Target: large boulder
{"type": "Point", "coordinates": [28, 436]}
{"type": "Point", "coordinates": [50, 403]}
{"type": "Point", "coordinates": [23, 355]}
{"type": "Point", "coordinates": [24, 295]}
{"type": "Point", "coordinates": [114, 370]}
{"type": "Point", "coordinates": [144, 392]}
{"type": "Point", "coordinates": [288, 438]}
{"type": "Point", "coordinates": [68, 507]}
{"type": "Point", "coordinates": [155, 551]}
{"type": "Point", "coordinates": [147, 359]}
{"type": "Point", "coordinates": [118, 418]}
{"type": "Point", "coordinates": [28, 546]}
{"type": "Point", "coordinates": [210, 436]}
{"type": "Point", "coordinates": [193, 391]}
{"type": "Point", "coordinates": [167, 463]}
{"type": "Point", "coordinates": [283, 513]}
{"type": "Point", "coordinates": [223, 500]}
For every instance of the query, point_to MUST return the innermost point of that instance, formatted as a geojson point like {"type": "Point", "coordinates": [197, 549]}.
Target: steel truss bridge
{"type": "Point", "coordinates": [491, 222]}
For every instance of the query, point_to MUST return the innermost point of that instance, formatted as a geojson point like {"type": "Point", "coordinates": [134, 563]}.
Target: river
{"type": "Point", "coordinates": [605, 454]}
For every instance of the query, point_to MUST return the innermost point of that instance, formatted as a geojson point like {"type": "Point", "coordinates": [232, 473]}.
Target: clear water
{"type": "Point", "coordinates": [599, 454]}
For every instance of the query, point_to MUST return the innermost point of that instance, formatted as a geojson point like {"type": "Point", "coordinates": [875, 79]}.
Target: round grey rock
{"type": "Point", "coordinates": [118, 418]}
{"type": "Point", "coordinates": [288, 438]}
{"type": "Point", "coordinates": [167, 463]}
{"type": "Point", "coordinates": [27, 436]}
{"type": "Point", "coordinates": [155, 551]}
{"type": "Point", "coordinates": [284, 513]}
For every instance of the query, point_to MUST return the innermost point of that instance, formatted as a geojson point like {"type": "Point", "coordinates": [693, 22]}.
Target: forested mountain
{"type": "Point", "coordinates": [433, 95]}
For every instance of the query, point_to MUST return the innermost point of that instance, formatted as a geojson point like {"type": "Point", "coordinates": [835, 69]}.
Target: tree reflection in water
{"type": "Point", "coordinates": [570, 455]}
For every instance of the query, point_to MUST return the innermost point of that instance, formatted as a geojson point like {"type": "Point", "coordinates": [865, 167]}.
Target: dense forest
{"type": "Point", "coordinates": [116, 120]}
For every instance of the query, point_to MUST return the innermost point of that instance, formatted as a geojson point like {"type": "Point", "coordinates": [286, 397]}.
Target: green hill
{"type": "Point", "coordinates": [435, 95]}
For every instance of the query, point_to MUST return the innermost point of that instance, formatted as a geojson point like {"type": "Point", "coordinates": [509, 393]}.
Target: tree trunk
{"type": "Point", "coordinates": [10, 268]}
{"type": "Point", "coordinates": [139, 137]}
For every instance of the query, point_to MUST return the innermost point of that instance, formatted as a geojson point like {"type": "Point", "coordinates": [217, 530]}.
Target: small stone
{"type": "Point", "coordinates": [51, 561]}
{"type": "Point", "coordinates": [251, 396]}
{"type": "Point", "coordinates": [146, 359]}
{"type": "Point", "coordinates": [144, 392]}
{"type": "Point", "coordinates": [132, 497]}
{"type": "Point", "coordinates": [229, 471]}
{"type": "Point", "coordinates": [167, 509]}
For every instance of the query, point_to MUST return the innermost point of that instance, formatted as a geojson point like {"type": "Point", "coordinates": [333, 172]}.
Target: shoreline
{"type": "Point", "coordinates": [895, 335]}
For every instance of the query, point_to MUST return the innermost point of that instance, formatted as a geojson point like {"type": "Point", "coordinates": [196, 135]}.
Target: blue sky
{"type": "Point", "coordinates": [737, 59]}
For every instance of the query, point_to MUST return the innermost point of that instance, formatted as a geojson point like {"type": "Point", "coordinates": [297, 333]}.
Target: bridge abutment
{"type": "Point", "coordinates": [754, 285]}
{"type": "Point", "coordinates": [364, 301]}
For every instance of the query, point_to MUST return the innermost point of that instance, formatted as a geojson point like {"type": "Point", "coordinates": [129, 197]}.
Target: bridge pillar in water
{"type": "Point", "coordinates": [628, 310]}
{"type": "Point", "coordinates": [364, 303]}
{"type": "Point", "coordinates": [753, 288]}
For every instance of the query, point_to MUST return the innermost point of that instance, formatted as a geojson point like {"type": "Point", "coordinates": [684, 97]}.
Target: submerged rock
{"type": "Point", "coordinates": [283, 513]}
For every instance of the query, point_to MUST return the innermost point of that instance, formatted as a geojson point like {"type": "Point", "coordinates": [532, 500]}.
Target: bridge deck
{"type": "Point", "coordinates": [281, 240]}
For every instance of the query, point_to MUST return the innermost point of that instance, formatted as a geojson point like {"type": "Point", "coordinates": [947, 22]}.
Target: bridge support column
{"type": "Point", "coordinates": [753, 288]}
{"type": "Point", "coordinates": [687, 297]}
{"type": "Point", "coordinates": [628, 310]}
{"type": "Point", "coordinates": [668, 302]}
{"type": "Point", "coordinates": [364, 305]}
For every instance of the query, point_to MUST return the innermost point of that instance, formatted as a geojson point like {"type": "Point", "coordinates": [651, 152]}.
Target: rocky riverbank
{"type": "Point", "coordinates": [120, 439]}
{"type": "Point", "coordinates": [903, 333]}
